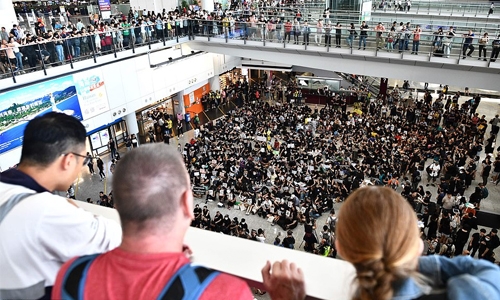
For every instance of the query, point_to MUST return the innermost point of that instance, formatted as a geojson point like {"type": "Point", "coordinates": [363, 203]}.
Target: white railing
{"type": "Point", "coordinates": [326, 278]}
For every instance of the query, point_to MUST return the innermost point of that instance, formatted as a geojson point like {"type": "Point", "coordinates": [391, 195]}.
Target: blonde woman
{"type": "Point", "coordinates": [377, 232]}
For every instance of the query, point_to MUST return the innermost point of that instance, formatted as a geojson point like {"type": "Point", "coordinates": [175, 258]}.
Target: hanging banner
{"type": "Point", "coordinates": [105, 5]}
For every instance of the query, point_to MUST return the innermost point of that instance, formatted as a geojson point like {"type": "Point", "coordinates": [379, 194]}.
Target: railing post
{"type": "Point", "coordinates": [264, 36]}
{"type": "Point", "coordinates": [133, 43]}
{"type": "Point", "coordinates": [149, 40]}
{"type": "Point", "coordinates": [42, 59]}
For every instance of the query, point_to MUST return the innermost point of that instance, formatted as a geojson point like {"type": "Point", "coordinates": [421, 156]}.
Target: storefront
{"type": "Point", "coordinates": [98, 139]}
{"type": "Point", "coordinates": [231, 77]}
{"type": "Point", "coordinates": [144, 117]}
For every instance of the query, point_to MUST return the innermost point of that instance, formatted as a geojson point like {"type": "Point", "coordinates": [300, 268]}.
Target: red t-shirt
{"type": "Point", "coordinates": [124, 275]}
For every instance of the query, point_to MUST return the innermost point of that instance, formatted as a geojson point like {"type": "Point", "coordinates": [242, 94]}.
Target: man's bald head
{"type": "Point", "coordinates": [148, 185]}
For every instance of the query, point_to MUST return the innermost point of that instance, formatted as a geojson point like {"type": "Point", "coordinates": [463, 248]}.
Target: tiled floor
{"type": "Point", "coordinates": [88, 186]}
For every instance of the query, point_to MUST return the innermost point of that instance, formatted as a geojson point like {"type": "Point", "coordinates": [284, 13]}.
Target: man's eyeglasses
{"type": "Point", "coordinates": [86, 159]}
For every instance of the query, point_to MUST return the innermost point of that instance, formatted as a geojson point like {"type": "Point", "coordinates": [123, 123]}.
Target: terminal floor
{"type": "Point", "coordinates": [89, 186]}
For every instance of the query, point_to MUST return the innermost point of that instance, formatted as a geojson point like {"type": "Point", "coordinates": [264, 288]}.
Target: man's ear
{"type": "Point", "coordinates": [65, 161]}
{"type": "Point", "coordinates": [187, 204]}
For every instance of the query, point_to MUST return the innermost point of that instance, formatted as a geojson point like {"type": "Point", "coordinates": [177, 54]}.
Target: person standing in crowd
{"type": "Point", "coordinates": [148, 220]}
{"type": "Point", "coordinates": [338, 35]}
{"type": "Point", "coordinates": [475, 241]}
{"type": "Point", "coordinates": [328, 34]}
{"type": "Point", "coordinates": [319, 32]}
{"type": "Point", "coordinates": [385, 247]}
{"type": "Point", "coordinates": [306, 31]}
{"type": "Point", "coordinates": [380, 29]}
{"type": "Point", "coordinates": [495, 44]}
{"type": "Point", "coordinates": [494, 124]}
{"type": "Point", "coordinates": [90, 163]}
{"type": "Point", "coordinates": [490, 11]}
{"type": "Point", "coordinates": [133, 139]}
{"type": "Point", "coordinates": [352, 35]}
{"type": "Point", "coordinates": [488, 245]}
{"type": "Point", "coordinates": [100, 166]}
{"type": "Point", "coordinates": [128, 142]}
{"type": "Point", "coordinates": [363, 35]}
{"type": "Point", "coordinates": [416, 39]}
{"type": "Point", "coordinates": [180, 129]}
{"type": "Point", "coordinates": [468, 39]}
{"type": "Point", "coordinates": [288, 31]}
{"type": "Point", "coordinates": [112, 148]}
{"type": "Point", "coordinates": [40, 230]}
{"type": "Point", "coordinates": [483, 42]}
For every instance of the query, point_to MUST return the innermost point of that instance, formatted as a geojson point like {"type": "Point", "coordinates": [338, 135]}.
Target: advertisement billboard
{"type": "Point", "coordinates": [91, 93]}
{"type": "Point", "coordinates": [82, 96]}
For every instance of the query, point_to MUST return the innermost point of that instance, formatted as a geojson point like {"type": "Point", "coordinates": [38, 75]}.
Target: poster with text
{"type": "Point", "coordinates": [96, 140]}
{"type": "Point", "coordinates": [18, 107]}
{"type": "Point", "coordinates": [104, 137]}
{"type": "Point", "coordinates": [91, 93]}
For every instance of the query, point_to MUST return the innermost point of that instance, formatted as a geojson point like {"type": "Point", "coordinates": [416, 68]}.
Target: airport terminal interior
{"type": "Point", "coordinates": [279, 108]}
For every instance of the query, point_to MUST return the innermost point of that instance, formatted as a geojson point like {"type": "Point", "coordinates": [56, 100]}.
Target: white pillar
{"type": "Point", "coordinates": [207, 5]}
{"type": "Point", "coordinates": [180, 108]}
{"type": "Point", "coordinates": [132, 126]}
{"type": "Point", "coordinates": [7, 14]}
{"type": "Point", "coordinates": [214, 83]}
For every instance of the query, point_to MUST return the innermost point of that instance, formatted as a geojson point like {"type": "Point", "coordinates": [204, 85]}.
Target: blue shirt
{"type": "Point", "coordinates": [464, 278]}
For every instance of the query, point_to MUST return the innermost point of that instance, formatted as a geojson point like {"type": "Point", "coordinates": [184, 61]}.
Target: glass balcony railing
{"type": "Point", "coordinates": [447, 8]}
{"type": "Point", "coordinates": [41, 53]}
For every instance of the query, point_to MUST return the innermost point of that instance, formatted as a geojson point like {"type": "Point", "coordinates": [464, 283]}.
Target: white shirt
{"type": "Point", "coordinates": [44, 231]}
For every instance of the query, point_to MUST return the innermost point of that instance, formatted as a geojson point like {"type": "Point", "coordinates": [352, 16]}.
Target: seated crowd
{"type": "Point", "coordinates": [290, 163]}
{"type": "Point", "coordinates": [287, 163]}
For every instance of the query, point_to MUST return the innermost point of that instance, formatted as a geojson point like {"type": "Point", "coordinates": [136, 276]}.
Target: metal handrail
{"type": "Point", "coordinates": [244, 31]}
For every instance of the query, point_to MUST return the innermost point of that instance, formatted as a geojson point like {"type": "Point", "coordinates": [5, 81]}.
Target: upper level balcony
{"type": "Point", "coordinates": [436, 57]}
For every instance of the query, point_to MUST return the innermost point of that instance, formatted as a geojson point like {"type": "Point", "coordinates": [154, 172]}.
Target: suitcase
{"type": "Point", "coordinates": [439, 53]}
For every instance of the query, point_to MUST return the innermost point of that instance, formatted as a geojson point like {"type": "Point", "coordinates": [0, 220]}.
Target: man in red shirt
{"type": "Point", "coordinates": [288, 31]}
{"type": "Point", "coordinates": [153, 197]}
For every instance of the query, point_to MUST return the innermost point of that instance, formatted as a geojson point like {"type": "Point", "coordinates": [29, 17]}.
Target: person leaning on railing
{"type": "Point", "coordinates": [495, 44]}
{"type": "Point", "coordinates": [384, 245]}
{"type": "Point", "coordinates": [152, 194]}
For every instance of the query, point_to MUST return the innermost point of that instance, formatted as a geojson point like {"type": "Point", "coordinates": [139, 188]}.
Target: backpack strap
{"type": "Point", "coordinates": [73, 283]}
{"type": "Point", "coordinates": [188, 283]}
{"type": "Point", "coordinates": [7, 206]}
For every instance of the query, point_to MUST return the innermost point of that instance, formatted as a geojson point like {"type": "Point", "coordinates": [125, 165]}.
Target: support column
{"type": "Point", "coordinates": [180, 108]}
{"type": "Point", "coordinates": [214, 83]}
{"type": "Point", "coordinates": [7, 14]}
{"type": "Point", "coordinates": [132, 126]}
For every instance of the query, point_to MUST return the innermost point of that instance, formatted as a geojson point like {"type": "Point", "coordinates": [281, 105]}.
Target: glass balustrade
{"type": "Point", "coordinates": [450, 8]}
{"type": "Point", "coordinates": [40, 54]}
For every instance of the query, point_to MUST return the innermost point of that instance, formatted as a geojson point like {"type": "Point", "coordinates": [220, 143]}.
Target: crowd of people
{"type": "Point", "coordinates": [290, 163]}
{"type": "Point", "coordinates": [287, 163]}
{"type": "Point", "coordinates": [66, 41]}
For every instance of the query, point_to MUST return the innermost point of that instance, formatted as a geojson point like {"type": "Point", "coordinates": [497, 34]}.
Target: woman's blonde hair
{"type": "Point", "coordinates": [377, 232]}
